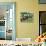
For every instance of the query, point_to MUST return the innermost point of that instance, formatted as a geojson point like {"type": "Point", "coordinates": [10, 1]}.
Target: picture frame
{"type": "Point", "coordinates": [26, 17]}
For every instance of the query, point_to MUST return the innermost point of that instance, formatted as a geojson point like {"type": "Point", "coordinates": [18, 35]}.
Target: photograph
{"type": "Point", "coordinates": [26, 17]}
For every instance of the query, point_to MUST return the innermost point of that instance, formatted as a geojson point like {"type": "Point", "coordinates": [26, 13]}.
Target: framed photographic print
{"type": "Point", "coordinates": [7, 20]}
{"type": "Point", "coordinates": [42, 1]}
{"type": "Point", "coordinates": [26, 17]}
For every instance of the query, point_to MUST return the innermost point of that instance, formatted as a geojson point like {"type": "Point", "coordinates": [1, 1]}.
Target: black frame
{"type": "Point", "coordinates": [39, 24]}
{"type": "Point", "coordinates": [39, 21]}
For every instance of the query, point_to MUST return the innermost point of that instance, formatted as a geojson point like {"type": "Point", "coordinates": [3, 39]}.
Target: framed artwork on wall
{"type": "Point", "coordinates": [26, 17]}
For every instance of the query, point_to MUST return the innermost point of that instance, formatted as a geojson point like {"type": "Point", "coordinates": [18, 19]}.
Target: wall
{"type": "Point", "coordinates": [26, 30]}
{"type": "Point", "coordinates": [42, 7]}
